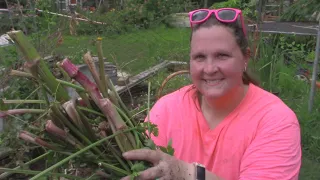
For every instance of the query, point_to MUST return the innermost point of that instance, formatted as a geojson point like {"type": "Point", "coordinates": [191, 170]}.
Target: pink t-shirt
{"type": "Point", "coordinates": [259, 140]}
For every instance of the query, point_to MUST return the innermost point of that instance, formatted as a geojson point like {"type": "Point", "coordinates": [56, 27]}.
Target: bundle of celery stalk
{"type": "Point", "coordinates": [70, 125]}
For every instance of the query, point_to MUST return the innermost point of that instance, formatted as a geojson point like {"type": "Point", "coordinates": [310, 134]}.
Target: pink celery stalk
{"type": "Point", "coordinates": [43, 143]}
{"type": "Point", "coordinates": [29, 137]}
{"type": "Point", "coordinates": [53, 129]}
{"type": "Point", "coordinates": [4, 114]}
{"type": "Point", "coordinates": [108, 109]}
{"type": "Point", "coordinates": [105, 106]}
{"type": "Point", "coordinates": [91, 88]}
{"type": "Point", "coordinates": [74, 73]}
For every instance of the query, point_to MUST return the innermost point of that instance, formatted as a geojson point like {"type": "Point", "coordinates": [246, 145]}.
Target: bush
{"type": "Point", "coordinates": [301, 11]}
{"type": "Point", "coordinates": [246, 6]}
{"type": "Point", "coordinates": [137, 14]}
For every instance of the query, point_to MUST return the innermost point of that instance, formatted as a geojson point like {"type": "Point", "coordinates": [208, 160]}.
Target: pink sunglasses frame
{"type": "Point", "coordinates": [216, 11]}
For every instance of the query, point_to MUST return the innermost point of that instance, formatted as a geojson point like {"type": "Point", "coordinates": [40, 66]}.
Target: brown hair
{"type": "Point", "coordinates": [241, 40]}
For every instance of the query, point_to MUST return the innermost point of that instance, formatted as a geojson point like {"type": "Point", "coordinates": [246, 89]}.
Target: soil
{"type": "Point", "coordinates": [37, 166]}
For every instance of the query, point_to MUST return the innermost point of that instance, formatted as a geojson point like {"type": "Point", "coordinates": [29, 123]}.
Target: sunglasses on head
{"type": "Point", "coordinates": [225, 15]}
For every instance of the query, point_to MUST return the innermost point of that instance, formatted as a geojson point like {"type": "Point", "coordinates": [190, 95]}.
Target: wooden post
{"type": "Point", "coordinates": [205, 3]}
{"type": "Point", "coordinates": [259, 10]}
{"type": "Point", "coordinates": [315, 72]}
{"type": "Point", "coordinates": [281, 8]}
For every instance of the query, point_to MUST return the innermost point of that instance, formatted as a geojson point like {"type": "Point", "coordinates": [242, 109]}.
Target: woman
{"type": "Point", "coordinates": [224, 121]}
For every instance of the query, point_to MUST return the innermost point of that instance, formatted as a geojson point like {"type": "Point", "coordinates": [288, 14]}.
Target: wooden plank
{"type": "Point", "coordinates": [141, 77]}
{"type": "Point", "coordinates": [177, 66]}
{"type": "Point", "coordinates": [135, 80]}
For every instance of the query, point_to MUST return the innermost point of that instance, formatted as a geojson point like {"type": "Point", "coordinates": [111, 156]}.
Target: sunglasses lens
{"type": "Point", "coordinates": [227, 14]}
{"type": "Point", "coordinates": [199, 15]}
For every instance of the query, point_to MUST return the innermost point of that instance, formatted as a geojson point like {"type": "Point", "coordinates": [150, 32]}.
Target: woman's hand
{"type": "Point", "coordinates": [166, 167]}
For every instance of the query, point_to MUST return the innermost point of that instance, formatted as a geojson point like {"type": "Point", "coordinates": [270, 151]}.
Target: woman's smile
{"type": "Point", "coordinates": [213, 82]}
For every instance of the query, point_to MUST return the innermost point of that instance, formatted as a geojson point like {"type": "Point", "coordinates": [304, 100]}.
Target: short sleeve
{"type": "Point", "coordinates": [275, 152]}
{"type": "Point", "coordinates": [159, 116]}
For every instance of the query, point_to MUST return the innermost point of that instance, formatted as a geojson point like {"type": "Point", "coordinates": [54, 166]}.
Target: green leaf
{"type": "Point", "coordinates": [150, 127]}
{"type": "Point", "coordinates": [138, 167]}
{"type": "Point", "coordinates": [133, 175]}
{"type": "Point", "coordinates": [150, 144]}
{"type": "Point", "coordinates": [169, 149]}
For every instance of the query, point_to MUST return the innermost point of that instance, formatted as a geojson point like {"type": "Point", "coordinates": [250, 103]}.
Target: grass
{"type": "Point", "coordinates": [310, 170]}
{"type": "Point", "coordinates": [133, 52]}
{"type": "Point", "coordinates": [137, 51]}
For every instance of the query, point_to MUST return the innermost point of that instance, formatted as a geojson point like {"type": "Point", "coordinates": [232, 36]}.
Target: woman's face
{"type": "Point", "coordinates": [216, 61]}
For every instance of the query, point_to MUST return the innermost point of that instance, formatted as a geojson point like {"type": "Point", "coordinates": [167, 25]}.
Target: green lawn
{"type": "Point", "coordinates": [310, 170]}
{"type": "Point", "coordinates": [133, 52]}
